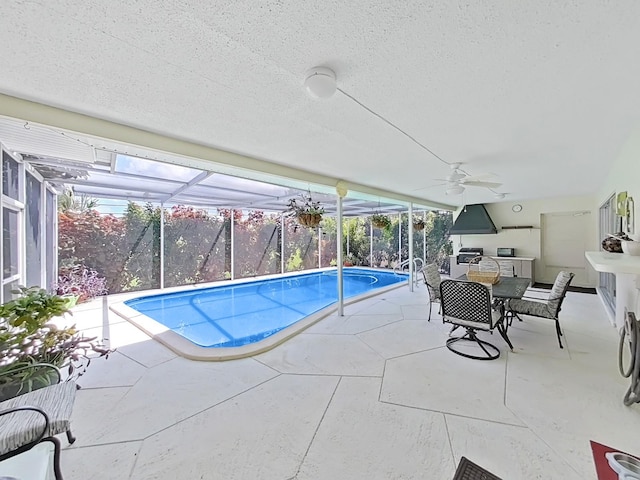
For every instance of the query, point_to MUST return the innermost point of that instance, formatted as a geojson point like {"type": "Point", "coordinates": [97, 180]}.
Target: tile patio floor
{"type": "Point", "coordinates": [371, 395]}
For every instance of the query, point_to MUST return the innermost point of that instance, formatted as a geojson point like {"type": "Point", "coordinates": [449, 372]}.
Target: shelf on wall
{"type": "Point", "coordinates": [517, 227]}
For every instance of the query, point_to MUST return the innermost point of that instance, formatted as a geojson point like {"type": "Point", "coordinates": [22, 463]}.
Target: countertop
{"type": "Point", "coordinates": [614, 262]}
{"type": "Point", "coordinates": [530, 259]}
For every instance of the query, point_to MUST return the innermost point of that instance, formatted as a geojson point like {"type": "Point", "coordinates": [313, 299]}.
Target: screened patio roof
{"type": "Point", "coordinates": [115, 176]}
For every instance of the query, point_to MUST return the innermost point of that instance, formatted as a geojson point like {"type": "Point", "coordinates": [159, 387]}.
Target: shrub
{"type": "Point", "coordinates": [26, 336]}
{"type": "Point", "coordinates": [82, 282]}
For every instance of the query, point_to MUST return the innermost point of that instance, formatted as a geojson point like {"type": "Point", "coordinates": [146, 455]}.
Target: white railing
{"type": "Point", "coordinates": [417, 266]}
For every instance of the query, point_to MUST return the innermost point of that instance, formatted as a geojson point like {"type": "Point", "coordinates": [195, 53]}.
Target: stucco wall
{"type": "Point", "coordinates": [625, 176]}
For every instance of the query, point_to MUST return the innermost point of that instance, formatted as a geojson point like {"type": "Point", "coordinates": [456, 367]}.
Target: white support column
{"type": "Point", "coordinates": [370, 243]}
{"type": "Point", "coordinates": [161, 245]}
{"type": "Point", "coordinates": [282, 243]}
{"type": "Point", "coordinates": [410, 223]}
{"type": "Point", "coordinates": [233, 263]}
{"type": "Point", "coordinates": [319, 247]}
{"type": "Point", "coordinates": [399, 238]}
{"type": "Point", "coordinates": [340, 259]}
{"type": "Point", "coordinates": [424, 238]}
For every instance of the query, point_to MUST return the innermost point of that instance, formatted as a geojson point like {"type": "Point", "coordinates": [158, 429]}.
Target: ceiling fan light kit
{"type": "Point", "coordinates": [454, 190]}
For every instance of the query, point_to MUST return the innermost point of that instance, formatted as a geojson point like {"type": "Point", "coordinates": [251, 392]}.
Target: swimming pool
{"type": "Point", "coordinates": [242, 314]}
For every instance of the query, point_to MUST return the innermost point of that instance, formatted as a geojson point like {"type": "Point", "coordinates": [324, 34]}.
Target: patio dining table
{"type": "Point", "coordinates": [507, 287]}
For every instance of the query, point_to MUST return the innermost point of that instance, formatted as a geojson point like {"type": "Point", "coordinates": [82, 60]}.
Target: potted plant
{"type": "Point", "coordinates": [27, 336]}
{"type": "Point", "coordinates": [308, 212]}
{"type": "Point", "coordinates": [418, 224]}
{"type": "Point", "coordinates": [349, 260]}
{"type": "Point", "coordinates": [380, 221]}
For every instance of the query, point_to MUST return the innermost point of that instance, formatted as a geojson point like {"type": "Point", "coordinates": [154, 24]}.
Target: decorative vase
{"type": "Point", "coordinates": [614, 244]}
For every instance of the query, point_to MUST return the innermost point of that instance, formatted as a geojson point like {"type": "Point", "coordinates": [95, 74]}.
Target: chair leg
{"type": "Point", "coordinates": [56, 456]}
{"type": "Point", "coordinates": [558, 332]}
{"type": "Point", "coordinates": [70, 437]}
{"type": "Point", "coordinates": [503, 333]}
{"type": "Point", "coordinates": [471, 336]}
{"type": "Point", "coordinates": [430, 306]}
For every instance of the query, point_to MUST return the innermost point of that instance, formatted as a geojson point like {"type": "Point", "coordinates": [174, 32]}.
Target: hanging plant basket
{"type": "Point", "coordinates": [380, 221]}
{"type": "Point", "coordinates": [418, 225]}
{"type": "Point", "coordinates": [309, 219]}
{"type": "Point", "coordinates": [306, 210]}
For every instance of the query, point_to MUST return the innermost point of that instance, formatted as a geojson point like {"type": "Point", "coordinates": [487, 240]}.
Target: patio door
{"type": "Point", "coordinates": [565, 238]}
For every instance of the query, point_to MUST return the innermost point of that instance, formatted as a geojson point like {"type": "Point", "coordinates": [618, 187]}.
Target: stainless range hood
{"type": "Point", "coordinates": [473, 220]}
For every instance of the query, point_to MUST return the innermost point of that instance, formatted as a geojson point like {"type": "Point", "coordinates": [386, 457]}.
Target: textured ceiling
{"type": "Point", "coordinates": [538, 92]}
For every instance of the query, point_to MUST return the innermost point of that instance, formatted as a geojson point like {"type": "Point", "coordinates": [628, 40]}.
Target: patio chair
{"type": "Point", "coordinates": [543, 307]}
{"type": "Point", "coordinates": [33, 457]}
{"type": "Point", "coordinates": [432, 280]}
{"type": "Point", "coordinates": [467, 470]}
{"type": "Point", "coordinates": [40, 409]}
{"type": "Point", "coordinates": [469, 305]}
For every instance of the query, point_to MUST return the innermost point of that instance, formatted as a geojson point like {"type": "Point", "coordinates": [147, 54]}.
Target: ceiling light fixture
{"type": "Point", "coordinates": [320, 82]}
{"type": "Point", "coordinates": [455, 190]}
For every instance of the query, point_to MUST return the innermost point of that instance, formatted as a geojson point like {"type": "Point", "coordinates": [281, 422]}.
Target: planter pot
{"type": "Point", "coordinates": [381, 223]}
{"type": "Point", "coordinates": [12, 387]}
{"type": "Point", "coordinates": [310, 219]}
{"type": "Point", "coordinates": [418, 226]}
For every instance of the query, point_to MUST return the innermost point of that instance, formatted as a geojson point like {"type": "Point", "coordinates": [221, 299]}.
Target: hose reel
{"type": "Point", "coordinates": [630, 335]}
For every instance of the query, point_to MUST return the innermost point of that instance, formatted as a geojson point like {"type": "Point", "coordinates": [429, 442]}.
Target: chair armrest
{"type": "Point", "coordinates": [536, 294]}
{"type": "Point", "coordinates": [19, 436]}
{"type": "Point", "coordinates": [534, 299]}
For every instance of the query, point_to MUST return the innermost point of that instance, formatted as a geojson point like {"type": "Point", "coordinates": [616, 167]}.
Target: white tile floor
{"type": "Point", "coordinates": [372, 395]}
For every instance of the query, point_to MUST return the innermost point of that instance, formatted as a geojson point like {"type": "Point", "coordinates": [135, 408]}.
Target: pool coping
{"type": "Point", "coordinates": [187, 349]}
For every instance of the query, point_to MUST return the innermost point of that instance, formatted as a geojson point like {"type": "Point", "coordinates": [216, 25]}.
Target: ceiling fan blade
{"type": "Point", "coordinates": [430, 186]}
{"type": "Point", "coordinates": [482, 177]}
{"type": "Point", "coordinates": [482, 184]}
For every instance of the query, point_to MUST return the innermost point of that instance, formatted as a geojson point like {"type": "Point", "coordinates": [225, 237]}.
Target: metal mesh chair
{"type": "Point", "coordinates": [544, 308]}
{"type": "Point", "coordinates": [469, 305]}
{"type": "Point", "coordinates": [432, 280]}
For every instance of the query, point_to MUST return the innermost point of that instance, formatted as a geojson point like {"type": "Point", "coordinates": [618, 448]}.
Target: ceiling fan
{"type": "Point", "coordinates": [458, 179]}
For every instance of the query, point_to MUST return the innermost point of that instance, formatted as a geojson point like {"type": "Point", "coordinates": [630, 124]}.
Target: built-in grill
{"type": "Point", "coordinates": [467, 254]}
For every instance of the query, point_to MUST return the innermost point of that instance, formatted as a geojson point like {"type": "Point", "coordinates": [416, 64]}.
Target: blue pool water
{"type": "Point", "coordinates": [234, 315]}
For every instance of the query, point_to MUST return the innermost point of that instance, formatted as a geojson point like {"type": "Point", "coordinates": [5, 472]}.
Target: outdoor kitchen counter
{"type": "Point", "coordinates": [524, 266]}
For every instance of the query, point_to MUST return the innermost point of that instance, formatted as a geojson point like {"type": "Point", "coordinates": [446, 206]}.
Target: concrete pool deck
{"type": "Point", "coordinates": [371, 395]}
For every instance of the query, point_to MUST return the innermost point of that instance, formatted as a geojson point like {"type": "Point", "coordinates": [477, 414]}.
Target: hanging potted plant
{"type": "Point", "coordinates": [418, 224]}
{"type": "Point", "coordinates": [308, 212]}
{"type": "Point", "coordinates": [380, 221]}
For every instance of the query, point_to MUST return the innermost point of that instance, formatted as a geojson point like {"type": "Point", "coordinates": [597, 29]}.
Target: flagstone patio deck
{"type": "Point", "coordinates": [371, 395]}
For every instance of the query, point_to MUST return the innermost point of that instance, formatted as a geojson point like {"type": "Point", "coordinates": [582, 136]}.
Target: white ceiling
{"type": "Point", "coordinates": [541, 93]}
